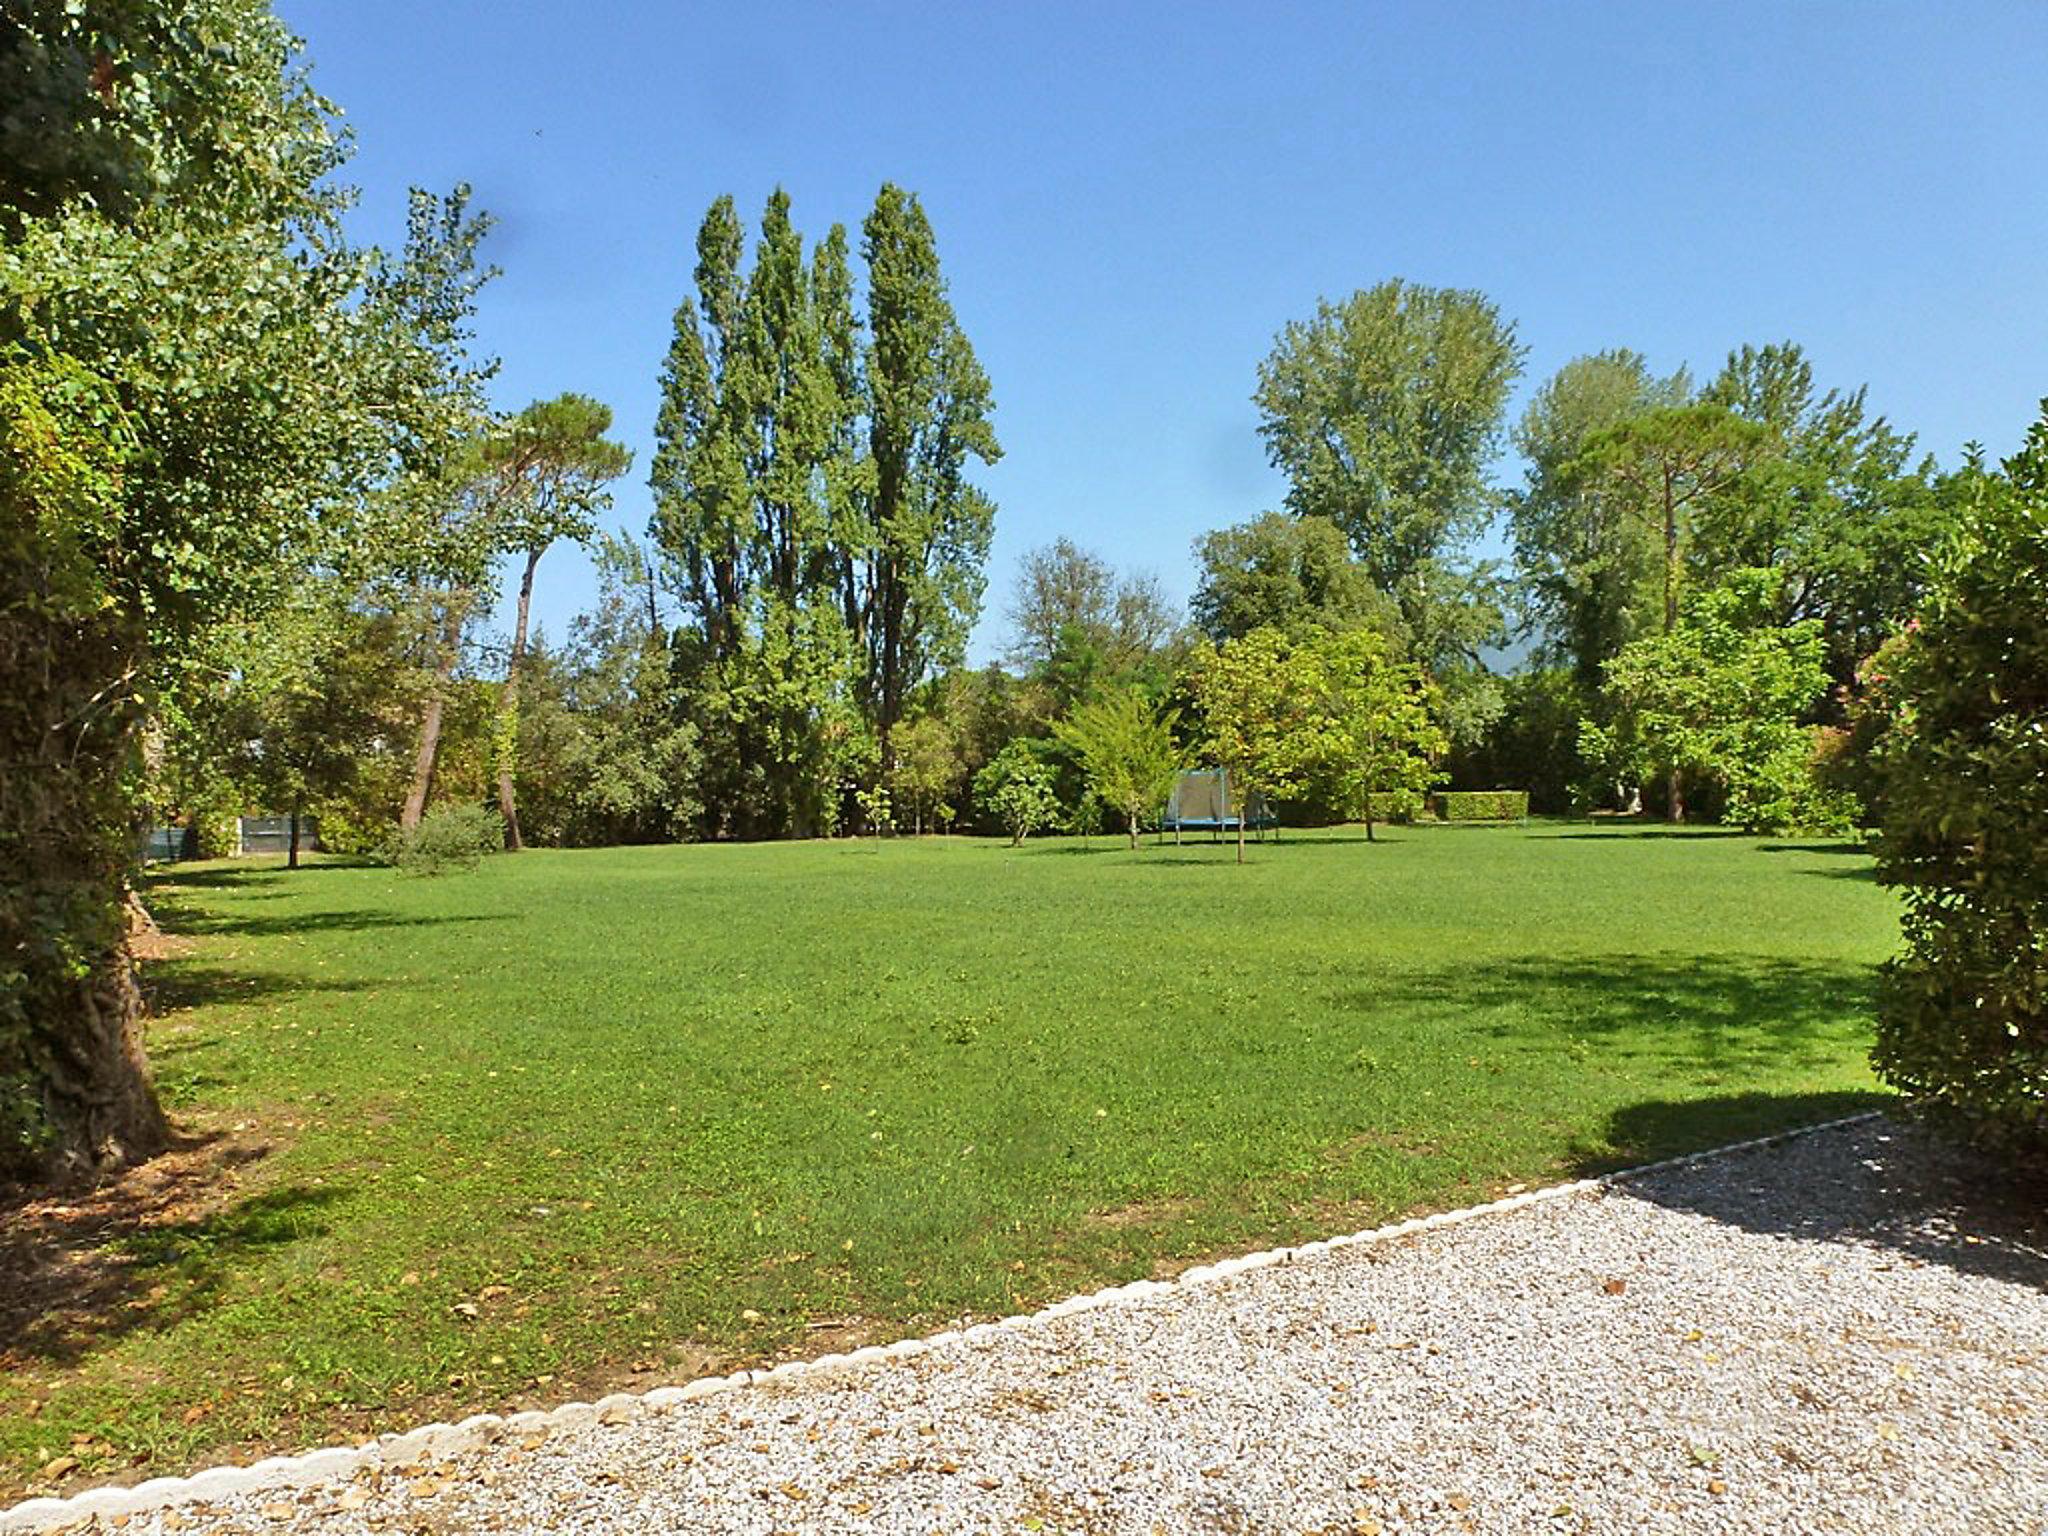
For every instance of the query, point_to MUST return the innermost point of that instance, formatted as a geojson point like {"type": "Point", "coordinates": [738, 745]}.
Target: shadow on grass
{"type": "Point", "coordinates": [172, 985]}
{"type": "Point", "coordinates": [142, 1253]}
{"type": "Point", "coordinates": [188, 921]}
{"type": "Point", "coordinates": [1651, 829]}
{"type": "Point", "coordinates": [1696, 1015]}
{"type": "Point", "coordinates": [1890, 1185]}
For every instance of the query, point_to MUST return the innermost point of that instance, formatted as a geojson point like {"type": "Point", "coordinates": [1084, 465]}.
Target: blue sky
{"type": "Point", "coordinates": [1131, 200]}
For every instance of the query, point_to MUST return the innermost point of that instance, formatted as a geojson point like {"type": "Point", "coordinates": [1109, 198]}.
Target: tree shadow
{"type": "Point", "coordinates": [1696, 1014]}
{"type": "Point", "coordinates": [190, 921]}
{"type": "Point", "coordinates": [1884, 1184]}
{"type": "Point", "coordinates": [141, 1253]}
{"type": "Point", "coordinates": [170, 986]}
{"type": "Point", "coordinates": [1632, 829]}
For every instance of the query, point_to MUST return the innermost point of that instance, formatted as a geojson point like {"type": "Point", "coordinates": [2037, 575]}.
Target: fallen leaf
{"type": "Point", "coordinates": [1614, 1287]}
{"type": "Point", "coordinates": [63, 1464]}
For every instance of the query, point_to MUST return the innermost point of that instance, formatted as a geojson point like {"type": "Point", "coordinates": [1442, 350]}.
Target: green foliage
{"type": "Point", "coordinates": [449, 839]}
{"type": "Point", "coordinates": [929, 769]}
{"type": "Point", "coordinates": [1383, 412]}
{"type": "Point", "coordinates": [812, 506]}
{"type": "Point", "coordinates": [178, 272]}
{"type": "Point", "coordinates": [1287, 573]}
{"type": "Point", "coordinates": [1720, 698]}
{"type": "Point", "coordinates": [1379, 740]}
{"type": "Point", "coordinates": [1656, 473]}
{"type": "Point", "coordinates": [1481, 805]}
{"type": "Point", "coordinates": [1586, 562]}
{"type": "Point", "coordinates": [1261, 701]}
{"type": "Point", "coordinates": [1535, 741]}
{"type": "Point", "coordinates": [1067, 596]}
{"type": "Point", "coordinates": [1837, 505]}
{"type": "Point", "coordinates": [1016, 788]}
{"type": "Point", "coordinates": [1963, 1026]}
{"type": "Point", "coordinates": [1126, 750]}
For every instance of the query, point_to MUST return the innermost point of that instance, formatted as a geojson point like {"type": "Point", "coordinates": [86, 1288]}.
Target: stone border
{"type": "Point", "coordinates": [430, 1441]}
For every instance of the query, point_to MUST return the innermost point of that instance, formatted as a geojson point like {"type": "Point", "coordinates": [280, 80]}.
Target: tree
{"type": "Point", "coordinates": [1379, 739]}
{"type": "Point", "coordinates": [1963, 1012]}
{"type": "Point", "coordinates": [305, 697]}
{"type": "Point", "coordinates": [1662, 469]}
{"type": "Point", "coordinates": [1259, 698]}
{"type": "Point", "coordinates": [1127, 752]}
{"type": "Point", "coordinates": [202, 381]}
{"type": "Point", "coordinates": [1838, 505]}
{"type": "Point", "coordinates": [915, 581]}
{"type": "Point", "coordinates": [607, 753]}
{"type": "Point", "coordinates": [928, 768]}
{"type": "Point", "coordinates": [1383, 412]}
{"type": "Point", "coordinates": [1062, 587]}
{"type": "Point", "coordinates": [1016, 788]}
{"type": "Point", "coordinates": [1720, 697]}
{"type": "Point", "coordinates": [1287, 573]}
{"type": "Point", "coordinates": [1584, 558]}
{"type": "Point", "coordinates": [551, 465]}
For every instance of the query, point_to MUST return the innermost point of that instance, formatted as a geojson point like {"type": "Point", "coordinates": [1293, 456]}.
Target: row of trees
{"type": "Point", "coordinates": [1696, 573]}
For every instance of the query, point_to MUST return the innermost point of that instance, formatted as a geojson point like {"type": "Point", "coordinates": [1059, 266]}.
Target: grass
{"type": "Point", "coordinates": [618, 1116]}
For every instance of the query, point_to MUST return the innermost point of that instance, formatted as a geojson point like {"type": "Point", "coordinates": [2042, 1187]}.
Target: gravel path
{"type": "Point", "coordinates": [1843, 1332]}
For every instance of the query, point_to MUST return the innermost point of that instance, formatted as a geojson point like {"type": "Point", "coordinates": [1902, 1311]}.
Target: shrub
{"type": "Point", "coordinates": [1963, 1014]}
{"type": "Point", "coordinates": [449, 838]}
{"type": "Point", "coordinates": [1482, 805]}
{"type": "Point", "coordinates": [1016, 788]}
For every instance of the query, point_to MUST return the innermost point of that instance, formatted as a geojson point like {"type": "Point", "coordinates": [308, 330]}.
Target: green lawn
{"type": "Point", "coordinates": [687, 1108]}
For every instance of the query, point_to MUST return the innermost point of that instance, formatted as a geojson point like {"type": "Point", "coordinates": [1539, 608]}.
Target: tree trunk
{"type": "Point", "coordinates": [452, 613]}
{"type": "Point", "coordinates": [291, 858]}
{"type": "Point", "coordinates": [1241, 802]}
{"type": "Point", "coordinates": [508, 709]}
{"type": "Point", "coordinates": [1134, 831]}
{"type": "Point", "coordinates": [1670, 556]}
{"type": "Point", "coordinates": [1676, 810]}
{"type": "Point", "coordinates": [71, 1024]}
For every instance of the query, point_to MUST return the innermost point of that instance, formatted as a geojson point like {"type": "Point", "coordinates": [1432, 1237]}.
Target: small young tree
{"type": "Point", "coordinates": [1126, 752]}
{"type": "Point", "coordinates": [1963, 1017]}
{"type": "Point", "coordinates": [1258, 694]}
{"type": "Point", "coordinates": [928, 767]}
{"type": "Point", "coordinates": [1720, 697]}
{"type": "Point", "coordinates": [1380, 739]}
{"type": "Point", "coordinates": [1017, 789]}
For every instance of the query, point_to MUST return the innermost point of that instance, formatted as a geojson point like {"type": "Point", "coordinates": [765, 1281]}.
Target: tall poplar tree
{"type": "Point", "coordinates": [916, 580]}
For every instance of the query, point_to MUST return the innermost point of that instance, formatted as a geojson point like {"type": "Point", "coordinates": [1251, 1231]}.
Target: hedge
{"type": "Point", "coordinates": [1482, 805]}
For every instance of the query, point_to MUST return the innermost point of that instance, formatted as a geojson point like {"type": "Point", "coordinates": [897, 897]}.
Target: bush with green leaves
{"type": "Point", "coordinates": [1963, 1018]}
{"type": "Point", "coordinates": [449, 838]}
{"type": "Point", "coordinates": [1482, 805]}
{"type": "Point", "coordinates": [1716, 702]}
{"type": "Point", "coordinates": [1017, 789]}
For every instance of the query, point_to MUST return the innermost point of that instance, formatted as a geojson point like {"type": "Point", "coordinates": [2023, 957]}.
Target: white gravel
{"type": "Point", "coordinates": [1844, 1332]}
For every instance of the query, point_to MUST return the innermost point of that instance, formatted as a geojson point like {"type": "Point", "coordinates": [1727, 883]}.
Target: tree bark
{"type": "Point", "coordinates": [71, 1015]}
{"type": "Point", "coordinates": [1676, 810]}
{"type": "Point", "coordinates": [1670, 555]}
{"type": "Point", "coordinates": [291, 859]}
{"type": "Point", "coordinates": [452, 614]}
{"type": "Point", "coordinates": [508, 709]}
